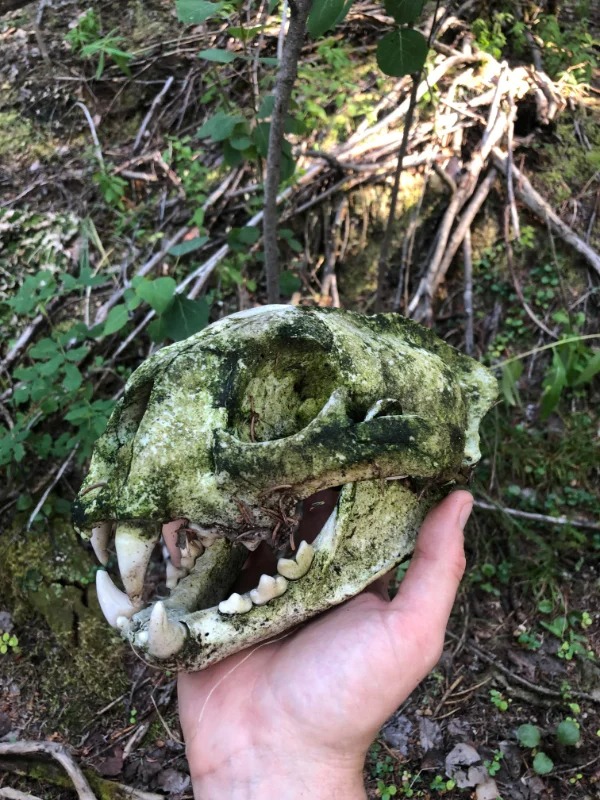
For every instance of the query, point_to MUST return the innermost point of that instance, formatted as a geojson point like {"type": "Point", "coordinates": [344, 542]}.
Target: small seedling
{"type": "Point", "coordinates": [499, 700]}
{"type": "Point", "coordinates": [8, 642]}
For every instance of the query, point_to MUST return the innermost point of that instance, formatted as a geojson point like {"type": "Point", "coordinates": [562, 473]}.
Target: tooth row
{"type": "Point", "coordinates": [114, 603]}
{"type": "Point", "coordinates": [294, 568]}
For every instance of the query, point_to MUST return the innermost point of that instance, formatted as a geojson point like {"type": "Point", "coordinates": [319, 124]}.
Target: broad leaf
{"type": "Point", "coordinates": [402, 52]}
{"type": "Point", "coordinates": [554, 382]}
{"type": "Point", "coordinates": [590, 370]}
{"type": "Point", "coordinates": [542, 765]}
{"type": "Point", "coordinates": [405, 12]}
{"type": "Point", "coordinates": [508, 384]}
{"type": "Point", "coordinates": [528, 735]}
{"type": "Point", "coordinates": [220, 126]}
{"type": "Point", "coordinates": [157, 293]}
{"type": "Point", "coordinates": [117, 318]}
{"type": "Point", "coordinates": [323, 15]}
{"type": "Point", "coordinates": [568, 733]}
{"type": "Point", "coordinates": [182, 318]}
{"type": "Point", "coordinates": [289, 283]}
{"type": "Point", "coordinates": [193, 12]}
{"type": "Point", "coordinates": [218, 55]}
{"type": "Point", "coordinates": [188, 247]}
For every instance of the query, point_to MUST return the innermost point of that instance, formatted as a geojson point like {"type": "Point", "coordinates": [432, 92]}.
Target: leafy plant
{"type": "Point", "coordinates": [86, 39]}
{"type": "Point", "coordinates": [8, 643]}
{"type": "Point", "coordinates": [499, 700]}
{"type": "Point", "coordinates": [495, 765]}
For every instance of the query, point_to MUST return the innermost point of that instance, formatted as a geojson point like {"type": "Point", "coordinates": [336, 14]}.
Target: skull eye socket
{"type": "Point", "coordinates": [278, 395]}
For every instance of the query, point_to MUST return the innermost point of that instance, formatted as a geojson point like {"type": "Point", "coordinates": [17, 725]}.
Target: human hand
{"type": "Point", "coordinates": [294, 718]}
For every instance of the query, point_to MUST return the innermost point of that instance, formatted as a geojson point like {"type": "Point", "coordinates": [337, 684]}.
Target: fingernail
{"type": "Point", "coordinates": [465, 513]}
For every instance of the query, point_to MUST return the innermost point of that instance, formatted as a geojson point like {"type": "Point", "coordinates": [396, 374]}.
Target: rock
{"type": "Point", "coordinates": [430, 734]}
{"type": "Point", "coordinates": [397, 733]}
{"type": "Point", "coordinates": [487, 790]}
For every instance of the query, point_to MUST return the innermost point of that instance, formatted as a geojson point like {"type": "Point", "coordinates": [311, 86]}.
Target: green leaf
{"type": "Point", "coordinates": [508, 384]}
{"type": "Point", "coordinates": [568, 733]}
{"type": "Point", "coordinates": [73, 378]}
{"type": "Point", "coordinates": [402, 52]}
{"type": "Point", "coordinates": [182, 318]}
{"type": "Point", "coordinates": [217, 55]}
{"type": "Point", "coordinates": [289, 283]}
{"type": "Point", "coordinates": [117, 318]}
{"type": "Point", "coordinates": [405, 12]}
{"type": "Point", "coordinates": [157, 293]}
{"type": "Point", "coordinates": [77, 353]}
{"type": "Point", "coordinates": [192, 12]}
{"type": "Point", "coordinates": [45, 348]}
{"type": "Point", "coordinates": [49, 367]}
{"type": "Point", "coordinates": [188, 247]}
{"type": "Point", "coordinates": [220, 126]}
{"type": "Point", "coordinates": [542, 765]}
{"type": "Point", "coordinates": [266, 106]}
{"type": "Point", "coordinates": [246, 236]}
{"type": "Point", "coordinates": [590, 370]}
{"type": "Point", "coordinates": [554, 382]}
{"type": "Point", "coordinates": [528, 735]}
{"type": "Point", "coordinates": [323, 15]}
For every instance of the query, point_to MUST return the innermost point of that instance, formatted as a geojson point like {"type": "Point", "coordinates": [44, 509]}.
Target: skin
{"type": "Point", "coordinates": [294, 718]}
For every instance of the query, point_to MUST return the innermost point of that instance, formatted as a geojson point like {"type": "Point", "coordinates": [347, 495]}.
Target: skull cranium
{"type": "Point", "coordinates": [220, 439]}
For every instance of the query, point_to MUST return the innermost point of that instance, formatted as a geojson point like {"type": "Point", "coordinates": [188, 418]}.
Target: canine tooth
{"type": "Point", "coordinates": [122, 623]}
{"type": "Point", "coordinates": [134, 547]}
{"type": "Point", "coordinates": [113, 602]}
{"type": "Point", "coordinates": [189, 555]}
{"type": "Point", "coordinates": [169, 534]}
{"type": "Point", "coordinates": [294, 568]}
{"type": "Point", "coordinates": [99, 540]}
{"type": "Point", "coordinates": [165, 637]}
{"type": "Point", "coordinates": [206, 536]}
{"type": "Point", "coordinates": [235, 604]}
{"type": "Point", "coordinates": [268, 589]}
{"type": "Point", "coordinates": [174, 575]}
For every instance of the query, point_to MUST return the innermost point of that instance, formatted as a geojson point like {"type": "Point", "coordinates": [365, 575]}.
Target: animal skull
{"type": "Point", "coordinates": [220, 439]}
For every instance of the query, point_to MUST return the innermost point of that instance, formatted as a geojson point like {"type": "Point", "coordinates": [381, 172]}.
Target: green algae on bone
{"type": "Point", "coordinates": [231, 428]}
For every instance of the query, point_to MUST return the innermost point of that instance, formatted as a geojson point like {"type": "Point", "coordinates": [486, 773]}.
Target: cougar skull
{"type": "Point", "coordinates": [219, 441]}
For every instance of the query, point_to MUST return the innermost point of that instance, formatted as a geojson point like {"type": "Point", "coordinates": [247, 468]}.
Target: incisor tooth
{"type": "Point", "coordinates": [165, 637]}
{"type": "Point", "coordinates": [294, 568]}
{"type": "Point", "coordinates": [206, 535]}
{"type": "Point", "coordinates": [268, 589]}
{"type": "Point", "coordinates": [134, 545]}
{"type": "Point", "coordinates": [99, 540]}
{"type": "Point", "coordinates": [235, 604]}
{"type": "Point", "coordinates": [113, 602]}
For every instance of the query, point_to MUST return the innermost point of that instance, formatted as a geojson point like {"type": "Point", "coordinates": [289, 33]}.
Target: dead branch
{"type": "Point", "coordinates": [155, 103]}
{"type": "Point", "coordinates": [58, 752]}
{"type": "Point", "coordinates": [540, 207]}
{"type": "Point", "coordinates": [15, 794]}
{"type": "Point", "coordinates": [545, 518]}
{"type": "Point", "coordinates": [468, 292]}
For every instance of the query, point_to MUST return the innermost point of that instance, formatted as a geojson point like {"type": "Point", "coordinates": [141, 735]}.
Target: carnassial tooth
{"type": "Point", "coordinates": [99, 540]}
{"type": "Point", "coordinates": [206, 535]}
{"type": "Point", "coordinates": [134, 545]}
{"type": "Point", "coordinates": [235, 604]}
{"type": "Point", "coordinates": [268, 589]}
{"type": "Point", "coordinates": [174, 575]}
{"type": "Point", "coordinates": [113, 602]}
{"type": "Point", "coordinates": [294, 568]}
{"type": "Point", "coordinates": [169, 534]}
{"type": "Point", "coordinates": [189, 555]}
{"type": "Point", "coordinates": [165, 637]}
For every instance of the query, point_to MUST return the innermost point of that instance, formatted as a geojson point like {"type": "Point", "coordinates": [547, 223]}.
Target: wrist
{"type": "Point", "coordinates": [257, 775]}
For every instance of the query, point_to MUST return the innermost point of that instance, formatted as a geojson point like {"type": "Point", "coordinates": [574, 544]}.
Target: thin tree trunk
{"type": "Point", "coordinates": [286, 78]}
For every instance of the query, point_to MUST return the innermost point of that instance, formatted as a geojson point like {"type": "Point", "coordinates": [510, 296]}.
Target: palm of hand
{"type": "Point", "coordinates": [326, 688]}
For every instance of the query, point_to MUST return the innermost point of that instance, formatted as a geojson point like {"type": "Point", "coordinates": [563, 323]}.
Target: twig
{"type": "Point", "coordinates": [37, 29]}
{"type": "Point", "coordinates": [58, 752]}
{"type": "Point", "coordinates": [92, 127]}
{"type": "Point", "coordinates": [546, 518]}
{"type": "Point", "coordinates": [468, 293]}
{"type": "Point", "coordinates": [15, 794]}
{"type": "Point", "coordinates": [536, 203]}
{"type": "Point", "coordinates": [155, 103]}
{"type": "Point", "coordinates": [384, 252]}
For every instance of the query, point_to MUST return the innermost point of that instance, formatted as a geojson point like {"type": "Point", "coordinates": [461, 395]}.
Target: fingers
{"type": "Point", "coordinates": [429, 588]}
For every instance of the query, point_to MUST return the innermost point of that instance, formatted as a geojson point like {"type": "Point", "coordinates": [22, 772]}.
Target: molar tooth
{"type": "Point", "coordinates": [134, 545]}
{"type": "Point", "coordinates": [294, 568]}
{"type": "Point", "coordinates": [268, 589]}
{"type": "Point", "coordinates": [235, 604]}
{"type": "Point", "coordinates": [113, 602]}
{"type": "Point", "coordinates": [169, 534]}
{"type": "Point", "coordinates": [165, 637]}
{"type": "Point", "coordinates": [99, 540]}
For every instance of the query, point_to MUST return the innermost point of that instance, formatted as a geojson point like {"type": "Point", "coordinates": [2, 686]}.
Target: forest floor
{"type": "Point", "coordinates": [100, 167]}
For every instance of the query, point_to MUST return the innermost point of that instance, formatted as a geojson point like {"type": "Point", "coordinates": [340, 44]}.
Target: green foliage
{"type": "Point", "coordinates": [568, 732]}
{"type": "Point", "coordinates": [529, 735]}
{"type": "Point", "coordinates": [495, 765]}
{"type": "Point", "coordinates": [193, 12]}
{"type": "Point", "coordinates": [499, 700]}
{"type": "Point", "coordinates": [323, 15]}
{"type": "Point", "coordinates": [542, 764]}
{"type": "Point", "coordinates": [8, 643]}
{"type": "Point", "coordinates": [86, 39]}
